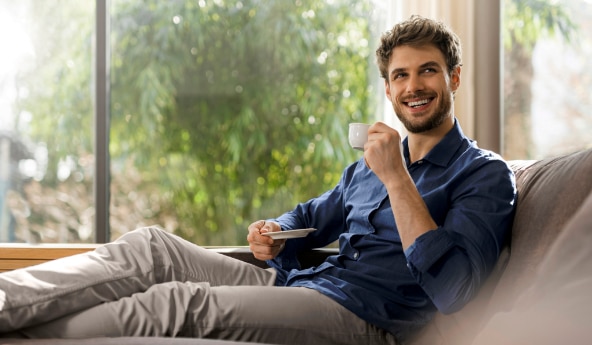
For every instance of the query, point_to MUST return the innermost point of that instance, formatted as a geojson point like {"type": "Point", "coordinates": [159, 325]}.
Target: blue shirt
{"type": "Point", "coordinates": [470, 194]}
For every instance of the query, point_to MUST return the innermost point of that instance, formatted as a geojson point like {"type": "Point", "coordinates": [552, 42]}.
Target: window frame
{"type": "Point", "coordinates": [102, 181]}
{"type": "Point", "coordinates": [488, 117]}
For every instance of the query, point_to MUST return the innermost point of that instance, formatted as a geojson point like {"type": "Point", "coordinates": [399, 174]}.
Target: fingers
{"type": "Point", "coordinates": [264, 247]}
{"type": "Point", "coordinates": [383, 153]}
{"type": "Point", "coordinates": [269, 227]}
{"type": "Point", "coordinates": [379, 127]}
{"type": "Point", "coordinates": [259, 227]}
{"type": "Point", "coordinates": [263, 252]}
{"type": "Point", "coordinates": [254, 229]}
{"type": "Point", "coordinates": [255, 238]}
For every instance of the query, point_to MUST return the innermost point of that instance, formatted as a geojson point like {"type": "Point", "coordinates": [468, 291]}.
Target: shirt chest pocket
{"type": "Point", "coordinates": [364, 207]}
{"type": "Point", "coordinates": [383, 221]}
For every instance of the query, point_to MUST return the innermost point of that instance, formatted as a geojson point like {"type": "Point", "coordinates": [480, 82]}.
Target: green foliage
{"type": "Point", "coordinates": [527, 20]}
{"type": "Point", "coordinates": [56, 89]}
{"type": "Point", "coordinates": [239, 108]}
{"type": "Point", "coordinates": [232, 110]}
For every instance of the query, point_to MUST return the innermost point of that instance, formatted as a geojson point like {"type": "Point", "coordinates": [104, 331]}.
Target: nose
{"type": "Point", "coordinates": [414, 84]}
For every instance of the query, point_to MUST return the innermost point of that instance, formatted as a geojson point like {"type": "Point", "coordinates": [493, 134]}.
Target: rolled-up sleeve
{"type": "Point", "coordinates": [451, 262]}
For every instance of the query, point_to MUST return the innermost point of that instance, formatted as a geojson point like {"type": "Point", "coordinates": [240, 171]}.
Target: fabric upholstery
{"type": "Point", "coordinates": [556, 307]}
{"type": "Point", "coordinates": [550, 192]}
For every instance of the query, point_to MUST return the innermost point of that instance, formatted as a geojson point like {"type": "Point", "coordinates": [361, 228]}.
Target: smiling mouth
{"type": "Point", "coordinates": [417, 104]}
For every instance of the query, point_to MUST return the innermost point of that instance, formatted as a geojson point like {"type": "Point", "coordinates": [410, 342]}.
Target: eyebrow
{"type": "Point", "coordinates": [422, 66]}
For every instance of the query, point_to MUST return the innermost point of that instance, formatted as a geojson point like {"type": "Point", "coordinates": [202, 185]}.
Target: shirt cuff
{"type": "Point", "coordinates": [427, 249]}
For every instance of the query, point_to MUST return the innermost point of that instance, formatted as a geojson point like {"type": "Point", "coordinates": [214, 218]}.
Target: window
{"type": "Point", "coordinates": [219, 113]}
{"type": "Point", "coordinates": [202, 116]}
{"type": "Point", "coordinates": [46, 158]}
{"type": "Point", "coordinates": [547, 108]}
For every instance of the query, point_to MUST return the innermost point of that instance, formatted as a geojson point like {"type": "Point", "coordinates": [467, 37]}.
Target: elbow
{"type": "Point", "coordinates": [454, 298]}
{"type": "Point", "coordinates": [449, 308]}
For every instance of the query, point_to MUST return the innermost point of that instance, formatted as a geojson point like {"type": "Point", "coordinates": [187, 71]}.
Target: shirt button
{"type": "Point", "coordinates": [356, 255]}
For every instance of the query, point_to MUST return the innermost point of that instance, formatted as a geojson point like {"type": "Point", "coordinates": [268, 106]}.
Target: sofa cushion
{"type": "Point", "coordinates": [549, 193]}
{"type": "Point", "coordinates": [556, 308]}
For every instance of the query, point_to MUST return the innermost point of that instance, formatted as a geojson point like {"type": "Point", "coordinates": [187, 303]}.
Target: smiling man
{"type": "Point", "coordinates": [421, 75]}
{"type": "Point", "coordinates": [420, 222]}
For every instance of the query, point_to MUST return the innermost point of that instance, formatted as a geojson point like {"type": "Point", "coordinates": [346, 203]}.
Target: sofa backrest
{"type": "Point", "coordinates": [549, 194]}
{"type": "Point", "coordinates": [550, 191]}
{"type": "Point", "coordinates": [555, 309]}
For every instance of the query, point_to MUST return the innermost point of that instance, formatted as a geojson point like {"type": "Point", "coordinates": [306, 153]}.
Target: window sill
{"type": "Point", "coordinates": [19, 255]}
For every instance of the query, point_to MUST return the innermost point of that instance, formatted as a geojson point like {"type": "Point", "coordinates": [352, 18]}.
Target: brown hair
{"type": "Point", "coordinates": [419, 31]}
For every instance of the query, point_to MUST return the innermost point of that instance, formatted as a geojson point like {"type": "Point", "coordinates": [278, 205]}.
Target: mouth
{"type": "Point", "coordinates": [419, 104]}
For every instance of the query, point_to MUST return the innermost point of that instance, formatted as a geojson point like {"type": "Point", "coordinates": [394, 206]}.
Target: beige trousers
{"type": "Point", "coordinates": [152, 283]}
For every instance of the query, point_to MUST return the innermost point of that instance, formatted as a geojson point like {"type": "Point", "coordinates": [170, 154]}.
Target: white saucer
{"type": "Point", "coordinates": [276, 235]}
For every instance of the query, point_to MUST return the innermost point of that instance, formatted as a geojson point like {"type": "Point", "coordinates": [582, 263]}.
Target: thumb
{"type": "Point", "coordinates": [265, 227]}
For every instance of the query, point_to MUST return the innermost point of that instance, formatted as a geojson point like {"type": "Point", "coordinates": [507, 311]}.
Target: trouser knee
{"type": "Point", "coordinates": [146, 232]}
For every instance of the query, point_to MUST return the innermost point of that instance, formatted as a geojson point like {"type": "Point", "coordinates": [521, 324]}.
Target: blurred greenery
{"type": "Point", "coordinates": [222, 112]}
{"type": "Point", "coordinates": [529, 20]}
{"type": "Point", "coordinates": [526, 22]}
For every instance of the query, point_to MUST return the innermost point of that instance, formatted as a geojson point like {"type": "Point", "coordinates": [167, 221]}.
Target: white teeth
{"type": "Point", "coordinates": [418, 103]}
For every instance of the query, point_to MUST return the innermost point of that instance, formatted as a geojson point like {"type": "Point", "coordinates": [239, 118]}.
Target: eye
{"type": "Point", "coordinates": [399, 75]}
{"type": "Point", "coordinates": [429, 70]}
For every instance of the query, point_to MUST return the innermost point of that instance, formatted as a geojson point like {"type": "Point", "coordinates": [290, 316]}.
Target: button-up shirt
{"type": "Point", "coordinates": [470, 193]}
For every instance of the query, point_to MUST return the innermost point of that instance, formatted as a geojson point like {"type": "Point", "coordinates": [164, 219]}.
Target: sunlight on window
{"type": "Point", "coordinates": [16, 48]}
{"type": "Point", "coordinates": [547, 105]}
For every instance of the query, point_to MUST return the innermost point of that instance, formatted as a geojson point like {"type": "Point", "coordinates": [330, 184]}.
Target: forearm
{"type": "Point", "coordinates": [410, 211]}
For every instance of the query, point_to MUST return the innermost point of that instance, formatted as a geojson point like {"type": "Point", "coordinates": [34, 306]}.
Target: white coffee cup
{"type": "Point", "coordinates": [358, 135]}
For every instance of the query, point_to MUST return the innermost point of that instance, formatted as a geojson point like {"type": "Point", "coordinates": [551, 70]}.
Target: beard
{"type": "Point", "coordinates": [443, 110]}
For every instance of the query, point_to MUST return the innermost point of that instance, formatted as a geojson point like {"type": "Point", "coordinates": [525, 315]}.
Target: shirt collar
{"type": "Point", "coordinates": [442, 153]}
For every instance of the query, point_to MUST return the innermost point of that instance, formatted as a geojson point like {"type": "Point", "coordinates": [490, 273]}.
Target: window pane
{"type": "Point", "coordinates": [547, 84]}
{"type": "Point", "coordinates": [46, 159]}
{"type": "Point", "coordinates": [225, 112]}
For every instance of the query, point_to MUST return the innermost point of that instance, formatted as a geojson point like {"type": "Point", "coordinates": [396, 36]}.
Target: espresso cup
{"type": "Point", "coordinates": [358, 135]}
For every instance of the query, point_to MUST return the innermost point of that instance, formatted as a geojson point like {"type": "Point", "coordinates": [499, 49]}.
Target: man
{"type": "Point", "coordinates": [420, 224]}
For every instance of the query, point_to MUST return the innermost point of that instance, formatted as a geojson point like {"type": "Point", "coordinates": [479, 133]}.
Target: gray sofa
{"type": "Point", "coordinates": [539, 291]}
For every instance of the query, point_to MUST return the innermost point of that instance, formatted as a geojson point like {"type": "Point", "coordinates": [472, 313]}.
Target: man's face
{"type": "Point", "coordinates": [420, 87]}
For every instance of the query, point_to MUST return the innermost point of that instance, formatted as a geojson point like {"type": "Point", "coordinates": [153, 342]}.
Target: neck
{"type": "Point", "coordinates": [422, 143]}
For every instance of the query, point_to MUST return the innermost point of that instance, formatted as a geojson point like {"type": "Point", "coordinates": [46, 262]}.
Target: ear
{"type": "Point", "coordinates": [455, 78]}
{"type": "Point", "coordinates": [387, 90]}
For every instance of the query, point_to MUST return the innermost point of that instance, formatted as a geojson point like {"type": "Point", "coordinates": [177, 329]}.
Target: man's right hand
{"type": "Point", "coordinates": [264, 247]}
